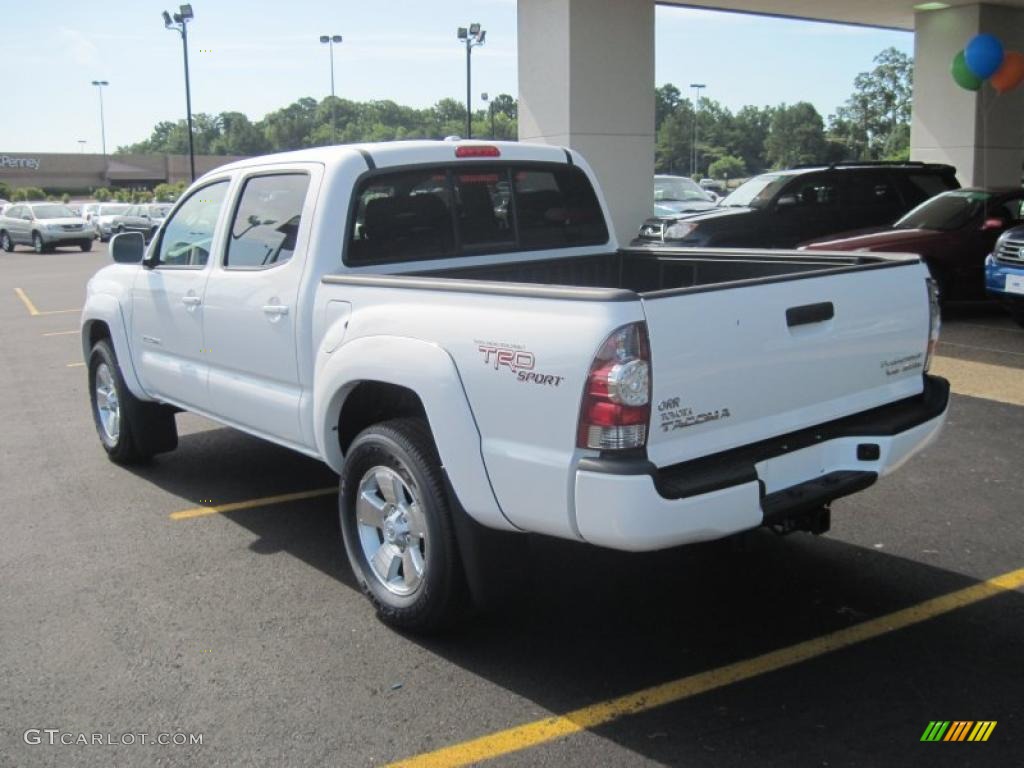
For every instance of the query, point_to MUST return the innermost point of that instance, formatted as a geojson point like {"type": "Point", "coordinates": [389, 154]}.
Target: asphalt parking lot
{"type": "Point", "coordinates": [187, 597]}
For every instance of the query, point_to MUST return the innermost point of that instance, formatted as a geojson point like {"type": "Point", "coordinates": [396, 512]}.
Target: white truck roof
{"type": "Point", "coordinates": [398, 153]}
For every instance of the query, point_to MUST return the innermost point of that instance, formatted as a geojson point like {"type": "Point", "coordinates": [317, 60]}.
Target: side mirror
{"type": "Point", "coordinates": [990, 224]}
{"type": "Point", "coordinates": [127, 248]}
{"type": "Point", "coordinates": [787, 201]}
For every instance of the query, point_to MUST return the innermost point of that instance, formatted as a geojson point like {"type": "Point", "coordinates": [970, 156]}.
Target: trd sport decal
{"type": "Point", "coordinates": [518, 360]}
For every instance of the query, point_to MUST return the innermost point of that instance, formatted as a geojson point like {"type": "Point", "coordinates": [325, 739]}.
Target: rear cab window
{"type": "Point", "coordinates": [468, 209]}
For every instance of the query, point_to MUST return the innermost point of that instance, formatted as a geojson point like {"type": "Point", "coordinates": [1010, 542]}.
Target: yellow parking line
{"type": "Point", "coordinates": [188, 514]}
{"type": "Point", "coordinates": [1001, 383]}
{"type": "Point", "coordinates": [27, 302]}
{"type": "Point", "coordinates": [62, 333]}
{"type": "Point", "coordinates": [34, 312]}
{"type": "Point", "coordinates": [552, 728]}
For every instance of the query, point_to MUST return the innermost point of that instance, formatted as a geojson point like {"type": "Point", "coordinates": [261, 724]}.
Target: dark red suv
{"type": "Point", "coordinates": [953, 233]}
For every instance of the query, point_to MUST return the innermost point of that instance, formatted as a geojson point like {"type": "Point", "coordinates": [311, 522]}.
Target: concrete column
{"type": "Point", "coordinates": [981, 133]}
{"type": "Point", "coordinates": [586, 81]}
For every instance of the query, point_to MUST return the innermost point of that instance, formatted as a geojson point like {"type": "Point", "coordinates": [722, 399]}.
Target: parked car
{"type": "Point", "coordinates": [135, 219]}
{"type": "Point", "coordinates": [1004, 272]}
{"type": "Point", "coordinates": [468, 375]}
{"type": "Point", "coordinates": [157, 212]}
{"type": "Point", "coordinates": [953, 233]}
{"type": "Point", "coordinates": [44, 226]}
{"type": "Point", "coordinates": [89, 210]}
{"type": "Point", "coordinates": [784, 208]}
{"type": "Point", "coordinates": [713, 185]}
{"type": "Point", "coordinates": [102, 219]}
{"type": "Point", "coordinates": [679, 194]}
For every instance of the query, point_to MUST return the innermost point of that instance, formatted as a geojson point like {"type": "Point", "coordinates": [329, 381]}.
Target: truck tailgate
{"type": "Point", "coordinates": [734, 365]}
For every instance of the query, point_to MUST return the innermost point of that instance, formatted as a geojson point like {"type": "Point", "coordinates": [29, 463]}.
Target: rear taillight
{"type": "Point", "coordinates": [617, 399]}
{"type": "Point", "coordinates": [934, 322]}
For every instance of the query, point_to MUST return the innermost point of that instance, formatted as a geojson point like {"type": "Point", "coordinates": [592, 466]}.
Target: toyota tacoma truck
{"type": "Point", "coordinates": [451, 327]}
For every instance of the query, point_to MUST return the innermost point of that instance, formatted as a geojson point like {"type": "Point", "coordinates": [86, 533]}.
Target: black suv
{"type": "Point", "coordinates": [781, 209]}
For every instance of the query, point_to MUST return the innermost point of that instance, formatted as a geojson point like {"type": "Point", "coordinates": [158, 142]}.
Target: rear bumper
{"type": "Point", "coordinates": [633, 505]}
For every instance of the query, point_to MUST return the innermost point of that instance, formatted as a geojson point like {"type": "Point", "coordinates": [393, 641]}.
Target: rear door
{"type": "Point", "coordinates": [738, 365]}
{"type": "Point", "coordinates": [251, 304]}
{"type": "Point", "coordinates": [870, 199]}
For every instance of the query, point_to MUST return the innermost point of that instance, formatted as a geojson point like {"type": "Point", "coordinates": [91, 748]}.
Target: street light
{"type": "Point", "coordinates": [331, 40]}
{"type": "Point", "coordinates": [103, 129]}
{"type": "Point", "coordinates": [179, 23]}
{"type": "Point", "coordinates": [81, 146]}
{"type": "Point", "coordinates": [490, 111]}
{"type": "Point", "coordinates": [472, 37]}
{"type": "Point", "coordinates": [697, 87]}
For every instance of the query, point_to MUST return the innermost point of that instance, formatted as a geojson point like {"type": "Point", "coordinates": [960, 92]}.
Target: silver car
{"type": "Point", "coordinates": [44, 226]}
{"type": "Point", "coordinates": [103, 219]}
{"type": "Point", "coordinates": [135, 219]}
{"type": "Point", "coordinates": [157, 213]}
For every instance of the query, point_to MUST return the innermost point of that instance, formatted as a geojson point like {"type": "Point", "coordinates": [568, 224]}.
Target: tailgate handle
{"type": "Point", "coordinates": [810, 313]}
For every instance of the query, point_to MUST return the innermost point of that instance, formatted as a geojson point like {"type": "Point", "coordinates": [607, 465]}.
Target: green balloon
{"type": "Point", "coordinates": [962, 75]}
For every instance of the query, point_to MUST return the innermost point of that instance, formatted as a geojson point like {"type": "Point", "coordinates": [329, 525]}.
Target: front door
{"type": "Point", "coordinates": [810, 210]}
{"type": "Point", "coordinates": [167, 321]}
{"type": "Point", "coordinates": [252, 308]}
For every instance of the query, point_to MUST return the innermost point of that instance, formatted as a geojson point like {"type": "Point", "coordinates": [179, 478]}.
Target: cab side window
{"type": "Point", "coordinates": [266, 223]}
{"type": "Point", "coordinates": [815, 191]}
{"type": "Point", "coordinates": [188, 235]}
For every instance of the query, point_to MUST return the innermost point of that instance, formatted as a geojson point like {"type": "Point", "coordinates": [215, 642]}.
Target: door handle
{"type": "Point", "coordinates": [191, 301]}
{"type": "Point", "coordinates": [275, 309]}
{"type": "Point", "coordinates": [810, 313]}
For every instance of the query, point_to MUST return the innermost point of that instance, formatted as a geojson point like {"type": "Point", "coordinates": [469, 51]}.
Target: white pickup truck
{"type": "Point", "coordinates": [453, 329]}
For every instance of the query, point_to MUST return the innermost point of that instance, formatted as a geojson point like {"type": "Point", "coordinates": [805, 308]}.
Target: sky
{"type": "Point", "coordinates": [254, 56]}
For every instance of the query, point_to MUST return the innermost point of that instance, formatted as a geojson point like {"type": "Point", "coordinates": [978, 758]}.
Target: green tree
{"type": "Point", "coordinates": [667, 100]}
{"type": "Point", "coordinates": [101, 195]}
{"type": "Point", "coordinates": [168, 193]}
{"type": "Point", "coordinates": [65, 198]}
{"type": "Point", "coordinates": [796, 136]}
{"type": "Point", "coordinates": [674, 141]}
{"type": "Point", "coordinates": [727, 167]}
{"type": "Point", "coordinates": [27, 193]}
{"type": "Point", "coordinates": [5, 191]}
{"type": "Point", "coordinates": [874, 121]}
{"type": "Point", "coordinates": [505, 104]}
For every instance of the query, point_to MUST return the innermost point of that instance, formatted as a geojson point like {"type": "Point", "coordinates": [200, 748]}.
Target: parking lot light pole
{"type": "Point", "coordinates": [81, 146]}
{"type": "Point", "coordinates": [331, 40]}
{"type": "Point", "coordinates": [179, 23]}
{"type": "Point", "coordinates": [490, 112]}
{"type": "Point", "coordinates": [697, 87]}
{"type": "Point", "coordinates": [472, 37]}
{"type": "Point", "coordinates": [103, 128]}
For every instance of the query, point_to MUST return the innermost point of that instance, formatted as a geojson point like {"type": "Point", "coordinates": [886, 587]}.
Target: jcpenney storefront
{"type": "Point", "coordinates": [82, 173]}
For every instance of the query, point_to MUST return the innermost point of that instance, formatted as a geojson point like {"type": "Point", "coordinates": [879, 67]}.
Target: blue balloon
{"type": "Point", "coordinates": [984, 55]}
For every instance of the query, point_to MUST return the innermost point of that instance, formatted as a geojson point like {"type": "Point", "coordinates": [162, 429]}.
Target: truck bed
{"type": "Point", "coordinates": [652, 273]}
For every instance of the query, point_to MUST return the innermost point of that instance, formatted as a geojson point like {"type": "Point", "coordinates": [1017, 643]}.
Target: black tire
{"type": "Point", "coordinates": [85, 245]}
{"type": "Point", "coordinates": [5, 242]}
{"type": "Point", "coordinates": [37, 243]}
{"type": "Point", "coordinates": [406, 447]}
{"type": "Point", "coordinates": [144, 428]}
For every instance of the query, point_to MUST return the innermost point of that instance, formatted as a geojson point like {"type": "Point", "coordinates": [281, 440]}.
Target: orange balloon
{"type": "Point", "coordinates": [1010, 74]}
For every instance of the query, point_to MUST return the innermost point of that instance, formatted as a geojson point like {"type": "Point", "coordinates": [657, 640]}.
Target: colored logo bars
{"type": "Point", "coordinates": [958, 730]}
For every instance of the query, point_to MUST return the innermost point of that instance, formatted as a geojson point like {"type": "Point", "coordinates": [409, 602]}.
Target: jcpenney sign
{"type": "Point", "coordinates": [6, 161]}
